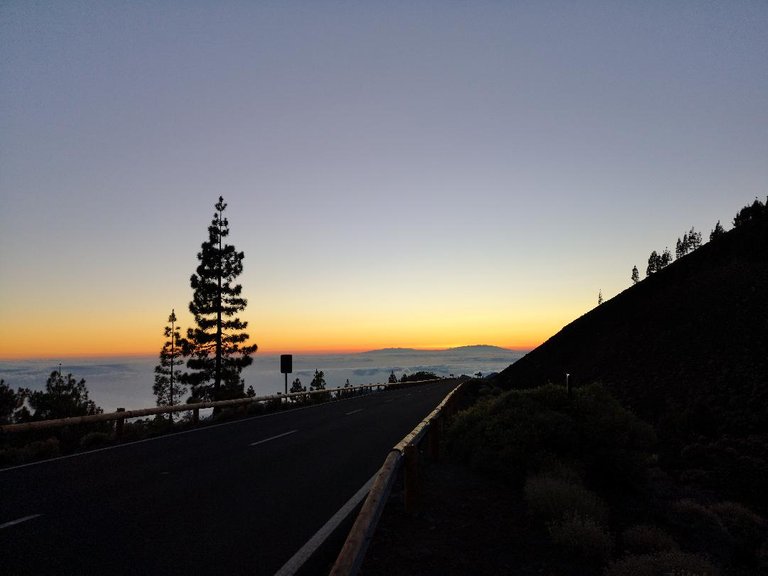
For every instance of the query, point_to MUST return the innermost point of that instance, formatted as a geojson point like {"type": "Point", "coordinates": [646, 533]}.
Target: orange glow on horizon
{"type": "Point", "coordinates": [71, 335]}
{"type": "Point", "coordinates": [298, 349]}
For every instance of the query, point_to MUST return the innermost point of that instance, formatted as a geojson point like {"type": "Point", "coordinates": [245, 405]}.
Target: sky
{"type": "Point", "coordinates": [398, 174]}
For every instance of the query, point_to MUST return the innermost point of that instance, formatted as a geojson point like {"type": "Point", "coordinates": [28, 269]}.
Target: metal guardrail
{"type": "Point", "coordinates": [121, 415]}
{"type": "Point", "coordinates": [352, 554]}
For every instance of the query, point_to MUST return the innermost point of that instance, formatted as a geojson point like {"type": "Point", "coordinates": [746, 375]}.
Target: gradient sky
{"type": "Point", "coordinates": [421, 174]}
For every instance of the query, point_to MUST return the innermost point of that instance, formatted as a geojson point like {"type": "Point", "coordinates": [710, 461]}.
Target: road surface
{"type": "Point", "coordinates": [236, 498]}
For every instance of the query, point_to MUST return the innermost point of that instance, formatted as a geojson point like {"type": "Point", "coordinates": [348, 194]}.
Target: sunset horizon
{"type": "Point", "coordinates": [298, 350]}
{"type": "Point", "coordinates": [417, 176]}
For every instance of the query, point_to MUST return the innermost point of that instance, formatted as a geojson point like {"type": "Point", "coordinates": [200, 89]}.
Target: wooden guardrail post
{"type": "Point", "coordinates": [195, 415]}
{"type": "Point", "coordinates": [435, 430]}
{"type": "Point", "coordinates": [411, 480]}
{"type": "Point", "coordinates": [119, 424]}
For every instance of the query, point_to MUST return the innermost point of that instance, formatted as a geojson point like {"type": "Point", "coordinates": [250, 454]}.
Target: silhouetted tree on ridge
{"type": "Point", "coordinates": [635, 275]}
{"type": "Point", "coordinates": [752, 212]}
{"type": "Point", "coordinates": [716, 232]}
{"type": "Point", "coordinates": [653, 263]}
{"type": "Point", "coordinates": [217, 347]}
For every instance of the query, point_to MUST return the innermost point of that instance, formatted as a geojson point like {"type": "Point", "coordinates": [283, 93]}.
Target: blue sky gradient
{"type": "Point", "coordinates": [398, 174]}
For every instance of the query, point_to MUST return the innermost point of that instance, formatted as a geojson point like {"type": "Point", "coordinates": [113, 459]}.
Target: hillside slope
{"type": "Point", "coordinates": [687, 350]}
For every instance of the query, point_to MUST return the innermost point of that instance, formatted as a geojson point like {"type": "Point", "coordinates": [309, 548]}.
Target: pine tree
{"type": "Point", "coordinates": [665, 259]}
{"type": "Point", "coordinates": [694, 240]}
{"type": "Point", "coordinates": [635, 275]}
{"type": "Point", "coordinates": [318, 381]}
{"type": "Point", "coordinates": [599, 297]}
{"type": "Point", "coordinates": [64, 396]}
{"type": "Point", "coordinates": [8, 403]}
{"type": "Point", "coordinates": [717, 232]}
{"type": "Point", "coordinates": [168, 387]}
{"type": "Point", "coordinates": [754, 212]}
{"type": "Point", "coordinates": [392, 378]}
{"type": "Point", "coordinates": [297, 387]}
{"type": "Point", "coordinates": [217, 347]}
{"type": "Point", "coordinates": [653, 263]}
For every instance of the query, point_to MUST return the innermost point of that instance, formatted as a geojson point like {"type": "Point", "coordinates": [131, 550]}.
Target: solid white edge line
{"type": "Point", "coordinates": [354, 412]}
{"type": "Point", "coordinates": [305, 552]}
{"type": "Point", "coordinates": [19, 521]}
{"type": "Point", "coordinates": [273, 437]}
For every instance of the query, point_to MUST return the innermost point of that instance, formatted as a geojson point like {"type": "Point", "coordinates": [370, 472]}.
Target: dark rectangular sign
{"type": "Point", "coordinates": [286, 363]}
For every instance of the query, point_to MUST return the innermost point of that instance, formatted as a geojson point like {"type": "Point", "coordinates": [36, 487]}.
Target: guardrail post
{"type": "Point", "coordinates": [435, 428]}
{"type": "Point", "coordinates": [411, 454]}
{"type": "Point", "coordinates": [195, 415]}
{"type": "Point", "coordinates": [119, 424]}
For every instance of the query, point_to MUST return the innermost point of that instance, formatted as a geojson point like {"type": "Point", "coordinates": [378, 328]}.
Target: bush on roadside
{"type": "Point", "coordinates": [94, 439]}
{"type": "Point", "coordinates": [662, 564]}
{"type": "Point", "coordinates": [521, 431]}
{"type": "Point", "coordinates": [41, 449]}
{"type": "Point", "coordinates": [747, 529]}
{"type": "Point", "coordinates": [646, 539]}
{"type": "Point", "coordinates": [553, 499]}
{"type": "Point", "coordinates": [581, 540]}
{"type": "Point", "coordinates": [698, 528]}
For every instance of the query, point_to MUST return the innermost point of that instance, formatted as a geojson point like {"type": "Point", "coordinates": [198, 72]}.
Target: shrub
{"type": "Point", "coordinates": [42, 449]}
{"type": "Point", "coordinates": [616, 443]}
{"type": "Point", "coordinates": [662, 564]}
{"type": "Point", "coordinates": [699, 529]}
{"type": "Point", "coordinates": [93, 439]}
{"type": "Point", "coordinates": [582, 540]}
{"type": "Point", "coordinates": [552, 499]}
{"type": "Point", "coordinates": [521, 431]}
{"type": "Point", "coordinates": [644, 539]}
{"type": "Point", "coordinates": [567, 469]}
{"type": "Point", "coordinates": [745, 527]}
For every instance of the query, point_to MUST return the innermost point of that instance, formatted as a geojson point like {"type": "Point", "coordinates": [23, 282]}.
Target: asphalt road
{"type": "Point", "coordinates": [238, 498]}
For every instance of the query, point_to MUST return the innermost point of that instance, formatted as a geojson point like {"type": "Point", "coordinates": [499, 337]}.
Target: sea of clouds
{"type": "Point", "coordinates": [127, 381]}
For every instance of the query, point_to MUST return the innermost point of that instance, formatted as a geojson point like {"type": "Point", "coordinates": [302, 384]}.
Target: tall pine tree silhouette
{"type": "Point", "coordinates": [217, 347]}
{"type": "Point", "coordinates": [168, 387]}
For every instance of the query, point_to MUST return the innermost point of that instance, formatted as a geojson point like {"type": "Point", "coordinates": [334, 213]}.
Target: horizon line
{"type": "Point", "coordinates": [268, 352]}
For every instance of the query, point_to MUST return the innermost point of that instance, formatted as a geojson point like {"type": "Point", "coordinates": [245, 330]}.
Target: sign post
{"type": "Point", "coordinates": [286, 367]}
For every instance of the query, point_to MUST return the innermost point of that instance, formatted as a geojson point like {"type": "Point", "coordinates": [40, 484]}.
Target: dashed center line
{"type": "Point", "coordinates": [19, 521]}
{"type": "Point", "coordinates": [354, 411]}
{"type": "Point", "coordinates": [273, 437]}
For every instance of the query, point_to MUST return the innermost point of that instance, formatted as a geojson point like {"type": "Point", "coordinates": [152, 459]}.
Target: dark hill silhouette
{"type": "Point", "coordinates": [686, 349]}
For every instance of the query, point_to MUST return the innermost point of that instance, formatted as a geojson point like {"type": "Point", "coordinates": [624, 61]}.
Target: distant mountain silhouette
{"type": "Point", "coordinates": [479, 348]}
{"type": "Point", "coordinates": [463, 349]}
{"type": "Point", "coordinates": [686, 349]}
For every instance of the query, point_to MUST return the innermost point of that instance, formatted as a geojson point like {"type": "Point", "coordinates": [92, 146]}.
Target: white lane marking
{"type": "Point", "coordinates": [273, 437]}
{"type": "Point", "coordinates": [202, 428]}
{"type": "Point", "coordinates": [354, 412]}
{"type": "Point", "coordinates": [19, 521]}
{"type": "Point", "coordinates": [305, 552]}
